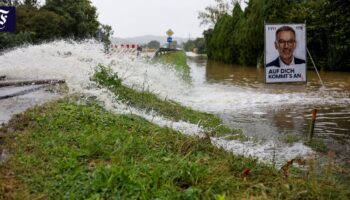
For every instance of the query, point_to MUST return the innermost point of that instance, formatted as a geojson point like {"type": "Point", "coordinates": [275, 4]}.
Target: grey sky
{"type": "Point", "coordinates": [131, 18]}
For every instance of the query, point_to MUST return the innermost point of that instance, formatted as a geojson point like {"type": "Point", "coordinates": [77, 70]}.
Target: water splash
{"type": "Point", "coordinates": [75, 62]}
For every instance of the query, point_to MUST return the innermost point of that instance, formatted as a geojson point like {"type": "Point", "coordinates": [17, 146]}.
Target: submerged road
{"type": "Point", "coordinates": [17, 99]}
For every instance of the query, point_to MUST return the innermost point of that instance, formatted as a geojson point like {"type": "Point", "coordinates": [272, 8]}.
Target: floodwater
{"type": "Point", "coordinates": [237, 94]}
{"type": "Point", "coordinates": [286, 109]}
{"type": "Point", "coordinates": [14, 100]}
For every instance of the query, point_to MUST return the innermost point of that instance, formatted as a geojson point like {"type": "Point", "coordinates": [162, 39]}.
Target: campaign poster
{"type": "Point", "coordinates": [285, 53]}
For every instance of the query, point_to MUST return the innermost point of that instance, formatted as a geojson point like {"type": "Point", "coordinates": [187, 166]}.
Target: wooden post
{"type": "Point", "coordinates": [312, 126]}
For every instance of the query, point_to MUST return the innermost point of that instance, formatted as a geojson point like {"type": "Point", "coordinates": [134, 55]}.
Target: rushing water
{"type": "Point", "coordinates": [236, 94]}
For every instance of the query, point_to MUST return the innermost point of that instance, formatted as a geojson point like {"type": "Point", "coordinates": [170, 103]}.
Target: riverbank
{"type": "Point", "coordinates": [70, 150]}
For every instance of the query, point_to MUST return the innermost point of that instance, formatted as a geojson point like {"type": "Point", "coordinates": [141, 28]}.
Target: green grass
{"type": "Point", "coordinates": [148, 101]}
{"type": "Point", "coordinates": [68, 151]}
{"type": "Point", "coordinates": [178, 60]}
{"type": "Point", "coordinates": [318, 145]}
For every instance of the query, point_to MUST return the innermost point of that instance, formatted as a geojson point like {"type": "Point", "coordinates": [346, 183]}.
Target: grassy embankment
{"type": "Point", "coordinates": [178, 60]}
{"type": "Point", "coordinates": [169, 109]}
{"type": "Point", "coordinates": [65, 150]}
{"type": "Point", "coordinates": [148, 101]}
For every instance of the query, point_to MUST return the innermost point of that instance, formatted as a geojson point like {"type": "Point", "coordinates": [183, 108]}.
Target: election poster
{"type": "Point", "coordinates": [285, 53]}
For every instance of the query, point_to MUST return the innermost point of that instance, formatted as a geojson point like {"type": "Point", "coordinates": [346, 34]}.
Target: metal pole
{"type": "Point", "coordinates": [312, 60]}
{"type": "Point", "coordinates": [312, 126]}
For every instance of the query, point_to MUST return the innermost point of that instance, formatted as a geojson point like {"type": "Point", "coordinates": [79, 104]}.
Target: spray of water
{"type": "Point", "coordinates": [75, 63]}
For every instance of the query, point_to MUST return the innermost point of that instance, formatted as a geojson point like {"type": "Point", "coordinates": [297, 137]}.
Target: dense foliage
{"type": "Point", "coordinates": [238, 37]}
{"type": "Point", "coordinates": [55, 19]}
{"type": "Point", "coordinates": [153, 44]}
{"type": "Point", "coordinates": [197, 45]}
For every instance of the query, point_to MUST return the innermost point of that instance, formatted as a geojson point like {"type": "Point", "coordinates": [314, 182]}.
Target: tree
{"type": "Point", "coordinates": [33, 25]}
{"type": "Point", "coordinates": [8, 40]}
{"type": "Point", "coordinates": [222, 42]}
{"type": "Point", "coordinates": [337, 18]}
{"type": "Point", "coordinates": [30, 2]}
{"type": "Point", "coordinates": [9, 2]}
{"type": "Point", "coordinates": [211, 15]}
{"type": "Point", "coordinates": [80, 15]}
{"type": "Point", "coordinates": [42, 24]}
{"type": "Point", "coordinates": [251, 36]}
{"type": "Point", "coordinates": [198, 44]}
{"type": "Point", "coordinates": [208, 35]}
{"type": "Point", "coordinates": [233, 38]}
{"type": "Point", "coordinates": [106, 33]}
{"type": "Point", "coordinates": [189, 45]}
{"type": "Point", "coordinates": [154, 44]}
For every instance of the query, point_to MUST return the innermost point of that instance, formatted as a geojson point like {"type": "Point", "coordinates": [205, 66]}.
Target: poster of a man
{"type": "Point", "coordinates": [285, 53]}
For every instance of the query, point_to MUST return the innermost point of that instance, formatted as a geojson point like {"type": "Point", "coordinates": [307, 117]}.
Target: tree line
{"type": "Point", "coordinates": [237, 36]}
{"type": "Point", "coordinates": [56, 19]}
{"type": "Point", "coordinates": [197, 45]}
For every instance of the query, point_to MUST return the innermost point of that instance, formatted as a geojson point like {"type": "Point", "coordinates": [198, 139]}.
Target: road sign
{"type": "Point", "coordinates": [169, 32]}
{"type": "Point", "coordinates": [170, 39]}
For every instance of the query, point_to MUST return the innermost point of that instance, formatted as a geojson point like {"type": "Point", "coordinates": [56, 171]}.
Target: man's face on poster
{"type": "Point", "coordinates": [285, 44]}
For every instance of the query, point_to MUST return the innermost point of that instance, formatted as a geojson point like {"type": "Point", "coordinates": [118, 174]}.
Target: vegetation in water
{"type": "Point", "coordinates": [148, 101]}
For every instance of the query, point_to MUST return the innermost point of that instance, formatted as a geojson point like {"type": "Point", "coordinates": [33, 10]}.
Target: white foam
{"type": "Point", "coordinates": [266, 152]}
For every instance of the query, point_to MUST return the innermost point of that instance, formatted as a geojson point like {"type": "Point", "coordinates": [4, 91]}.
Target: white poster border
{"type": "Point", "coordinates": [270, 53]}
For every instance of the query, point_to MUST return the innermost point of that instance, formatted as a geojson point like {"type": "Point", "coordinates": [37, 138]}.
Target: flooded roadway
{"type": "Point", "coordinates": [16, 99]}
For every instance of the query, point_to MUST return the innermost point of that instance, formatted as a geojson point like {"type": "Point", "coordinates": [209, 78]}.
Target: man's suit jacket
{"type": "Point", "coordinates": [276, 62]}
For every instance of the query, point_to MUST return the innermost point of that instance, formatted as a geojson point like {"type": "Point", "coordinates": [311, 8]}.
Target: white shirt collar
{"type": "Point", "coordinates": [284, 65]}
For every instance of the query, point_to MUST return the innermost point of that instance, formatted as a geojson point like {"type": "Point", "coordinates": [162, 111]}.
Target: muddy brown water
{"type": "Point", "coordinates": [277, 121]}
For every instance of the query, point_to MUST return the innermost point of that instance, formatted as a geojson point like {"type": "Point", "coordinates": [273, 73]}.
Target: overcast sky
{"type": "Point", "coordinates": [131, 18]}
